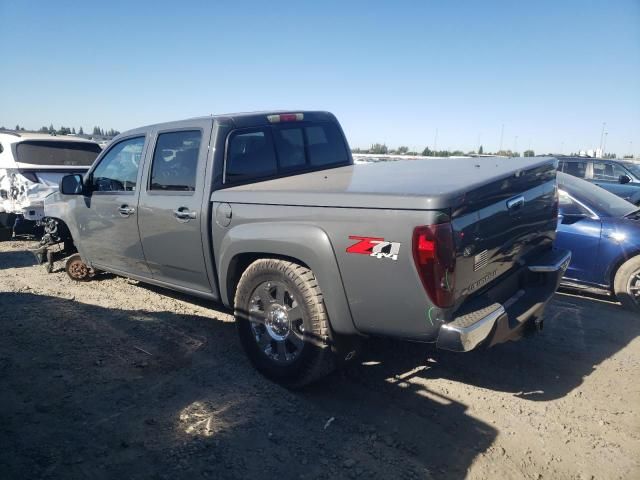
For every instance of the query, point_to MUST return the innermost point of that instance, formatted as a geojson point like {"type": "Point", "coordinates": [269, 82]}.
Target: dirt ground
{"type": "Point", "coordinates": [114, 379]}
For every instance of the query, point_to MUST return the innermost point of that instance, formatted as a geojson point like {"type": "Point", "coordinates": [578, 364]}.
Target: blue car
{"type": "Point", "coordinates": [603, 233]}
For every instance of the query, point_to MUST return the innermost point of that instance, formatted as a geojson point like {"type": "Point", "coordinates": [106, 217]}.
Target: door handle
{"type": "Point", "coordinates": [126, 210]}
{"type": "Point", "coordinates": [183, 214]}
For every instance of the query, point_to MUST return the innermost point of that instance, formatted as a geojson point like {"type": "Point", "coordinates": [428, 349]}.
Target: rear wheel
{"type": "Point", "coordinates": [627, 284]}
{"type": "Point", "coordinates": [282, 322]}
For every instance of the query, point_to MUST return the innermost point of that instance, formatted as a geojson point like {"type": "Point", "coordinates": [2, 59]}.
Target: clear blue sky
{"type": "Point", "coordinates": [392, 71]}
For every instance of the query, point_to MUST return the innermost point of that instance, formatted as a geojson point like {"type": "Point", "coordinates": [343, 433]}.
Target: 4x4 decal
{"type": "Point", "coordinates": [374, 247]}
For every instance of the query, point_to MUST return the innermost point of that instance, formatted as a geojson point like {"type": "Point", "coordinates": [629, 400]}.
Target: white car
{"type": "Point", "coordinates": [31, 166]}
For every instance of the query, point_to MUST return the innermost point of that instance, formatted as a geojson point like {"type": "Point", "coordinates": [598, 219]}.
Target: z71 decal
{"type": "Point", "coordinates": [374, 247]}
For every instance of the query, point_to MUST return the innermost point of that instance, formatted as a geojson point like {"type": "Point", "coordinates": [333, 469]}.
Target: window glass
{"type": "Point", "coordinates": [175, 161]}
{"type": "Point", "coordinates": [577, 169]}
{"type": "Point", "coordinates": [290, 147]}
{"type": "Point", "coordinates": [250, 154]}
{"type": "Point", "coordinates": [325, 145]}
{"type": "Point", "coordinates": [118, 169]}
{"type": "Point", "coordinates": [57, 152]}
{"type": "Point", "coordinates": [569, 207]}
{"type": "Point", "coordinates": [607, 171]}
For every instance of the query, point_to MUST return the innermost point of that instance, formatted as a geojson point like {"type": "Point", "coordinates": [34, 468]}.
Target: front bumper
{"type": "Point", "coordinates": [496, 316]}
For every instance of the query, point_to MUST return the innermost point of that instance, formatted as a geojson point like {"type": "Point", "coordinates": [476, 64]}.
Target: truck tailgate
{"type": "Point", "coordinates": [501, 224]}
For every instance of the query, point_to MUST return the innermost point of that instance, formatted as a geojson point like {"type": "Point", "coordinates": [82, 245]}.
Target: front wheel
{"type": "Point", "coordinates": [282, 322]}
{"type": "Point", "coordinates": [77, 269]}
{"type": "Point", "coordinates": [627, 284]}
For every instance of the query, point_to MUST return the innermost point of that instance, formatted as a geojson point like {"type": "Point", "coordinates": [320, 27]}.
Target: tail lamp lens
{"type": "Point", "coordinates": [434, 256]}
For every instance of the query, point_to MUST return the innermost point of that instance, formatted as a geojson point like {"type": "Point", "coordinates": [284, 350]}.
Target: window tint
{"type": "Point", "coordinates": [250, 154]}
{"type": "Point", "coordinates": [57, 152]}
{"type": "Point", "coordinates": [325, 145]}
{"type": "Point", "coordinates": [175, 161]}
{"type": "Point", "coordinates": [607, 171]}
{"type": "Point", "coordinates": [290, 147]}
{"type": "Point", "coordinates": [577, 169]}
{"type": "Point", "coordinates": [284, 148]}
{"type": "Point", "coordinates": [118, 169]}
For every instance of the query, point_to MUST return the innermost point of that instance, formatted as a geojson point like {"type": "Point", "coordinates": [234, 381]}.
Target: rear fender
{"type": "Point", "coordinates": [307, 244]}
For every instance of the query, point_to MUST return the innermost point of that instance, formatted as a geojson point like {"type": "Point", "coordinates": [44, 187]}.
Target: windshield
{"type": "Point", "coordinates": [634, 168]}
{"type": "Point", "coordinates": [57, 153]}
{"type": "Point", "coordinates": [604, 203]}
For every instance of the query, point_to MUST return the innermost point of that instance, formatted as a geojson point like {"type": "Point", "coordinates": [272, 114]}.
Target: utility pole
{"type": "Point", "coordinates": [604, 145]}
{"type": "Point", "coordinates": [501, 135]}
{"type": "Point", "coordinates": [435, 141]}
{"type": "Point", "coordinates": [515, 143]}
{"type": "Point", "coordinates": [602, 135]}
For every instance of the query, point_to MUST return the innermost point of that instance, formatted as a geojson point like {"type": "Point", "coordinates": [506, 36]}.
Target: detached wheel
{"type": "Point", "coordinates": [77, 269]}
{"type": "Point", "coordinates": [282, 322]}
{"type": "Point", "coordinates": [627, 284]}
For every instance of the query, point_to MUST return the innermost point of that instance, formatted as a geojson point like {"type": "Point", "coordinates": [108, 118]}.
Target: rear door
{"type": "Point", "coordinates": [107, 219]}
{"type": "Point", "coordinates": [171, 217]}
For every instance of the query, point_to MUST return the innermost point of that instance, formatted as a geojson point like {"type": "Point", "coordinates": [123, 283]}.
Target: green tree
{"type": "Point", "coordinates": [529, 153]}
{"type": "Point", "coordinates": [51, 129]}
{"type": "Point", "coordinates": [44, 129]}
{"type": "Point", "coordinates": [427, 152]}
{"type": "Point", "coordinates": [17, 127]}
{"type": "Point", "coordinates": [480, 150]}
{"type": "Point", "coordinates": [73, 130]}
{"type": "Point", "coordinates": [96, 131]}
{"type": "Point", "coordinates": [380, 149]}
{"type": "Point", "coordinates": [80, 131]}
{"type": "Point", "coordinates": [402, 150]}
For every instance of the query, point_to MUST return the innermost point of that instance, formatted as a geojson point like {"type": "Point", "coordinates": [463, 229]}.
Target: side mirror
{"type": "Point", "coordinates": [71, 184]}
{"type": "Point", "coordinates": [624, 179]}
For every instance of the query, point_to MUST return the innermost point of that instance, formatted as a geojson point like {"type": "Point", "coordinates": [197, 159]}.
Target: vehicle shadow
{"type": "Point", "coordinates": [97, 392]}
{"type": "Point", "coordinates": [579, 334]}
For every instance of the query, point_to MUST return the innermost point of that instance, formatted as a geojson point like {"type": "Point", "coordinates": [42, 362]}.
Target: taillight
{"type": "Point", "coordinates": [435, 258]}
{"type": "Point", "coordinates": [286, 117]}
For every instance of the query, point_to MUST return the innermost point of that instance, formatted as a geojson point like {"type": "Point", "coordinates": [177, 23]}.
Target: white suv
{"type": "Point", "coordinates": [31, 166]}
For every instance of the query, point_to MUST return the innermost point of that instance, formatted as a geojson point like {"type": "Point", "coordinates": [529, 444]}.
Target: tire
{"type": "Point", "coordinates": [282, 322]}
{"type": "Point", "coordinates": [626, 285]}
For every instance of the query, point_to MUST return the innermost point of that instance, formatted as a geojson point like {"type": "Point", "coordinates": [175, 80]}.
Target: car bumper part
{"type": "Point", "coordinates": [509, 311]}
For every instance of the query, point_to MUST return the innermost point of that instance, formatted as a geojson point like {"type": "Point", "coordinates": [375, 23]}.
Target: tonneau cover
{"type": "Point", "coordinates": [428, 184]}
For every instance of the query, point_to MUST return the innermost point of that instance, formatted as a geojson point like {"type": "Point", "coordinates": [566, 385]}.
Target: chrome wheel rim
{"type": "Point", "coordinates": [276, 322]}
{"type": "Point", "coordinates": [633, 286]}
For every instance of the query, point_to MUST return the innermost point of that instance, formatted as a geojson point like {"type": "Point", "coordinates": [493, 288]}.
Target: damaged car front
{"type": "Point", "coordinates": [31, 167]}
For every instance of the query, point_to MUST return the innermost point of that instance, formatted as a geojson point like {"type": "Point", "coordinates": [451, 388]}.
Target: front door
{"type": "Point", "coordinates": [607, 175]}
{"type": "Point", "coordinates": [108, 219]}
{"type": "Point", "coordinates": [171, 221]}
{"type": "Point", "coordinates": [578, 231]}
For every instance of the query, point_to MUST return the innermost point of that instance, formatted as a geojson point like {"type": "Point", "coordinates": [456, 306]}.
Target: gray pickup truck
{"type": "Point", "coordinates": [267, 214]}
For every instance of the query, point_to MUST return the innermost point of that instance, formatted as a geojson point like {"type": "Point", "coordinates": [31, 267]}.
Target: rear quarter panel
{"type": "Point", "coordinates": [372, 295]}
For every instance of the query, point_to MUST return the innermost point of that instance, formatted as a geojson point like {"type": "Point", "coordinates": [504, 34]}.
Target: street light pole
{"type": "Point", "coordinates": [604, 145]}
{"type": "Point", "coordinates": [602, 135]}
{"type": "Point", "coordinates": [501, 135]}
